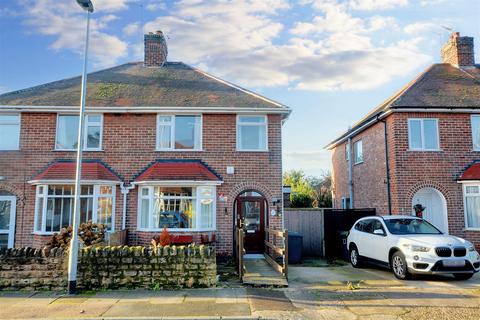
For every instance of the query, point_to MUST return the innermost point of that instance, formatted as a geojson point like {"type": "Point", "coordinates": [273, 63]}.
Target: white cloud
{"type": "Point", "coordinates": [65, 22]}
{"type": "Point", "coordinates": [4, 89]}
{"type": "Point", "coordinates": [156, 6]}
{"type": "Point", "coordinates": [239, 41]}
{"type": "Point", "coordinates": [417, 28]}
{"type": "Point", "coordinates": [131, 29]}
{"type": "Point", "coordinates": [370, 5]}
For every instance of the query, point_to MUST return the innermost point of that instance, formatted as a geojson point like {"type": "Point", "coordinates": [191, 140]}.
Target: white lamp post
{"type": "Point", "coordinates": [73, 254]}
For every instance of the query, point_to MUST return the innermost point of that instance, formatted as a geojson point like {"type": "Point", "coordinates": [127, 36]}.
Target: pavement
{"type": "Point", "coordinates": [313, 293]}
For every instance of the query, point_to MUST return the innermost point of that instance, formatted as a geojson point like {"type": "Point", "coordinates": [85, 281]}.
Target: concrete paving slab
{"type": "Point", "coordinates": [264, 299]}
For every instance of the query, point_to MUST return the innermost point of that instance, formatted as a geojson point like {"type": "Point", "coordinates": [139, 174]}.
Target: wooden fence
{"type": "Point", "coordinates": [308, 222]}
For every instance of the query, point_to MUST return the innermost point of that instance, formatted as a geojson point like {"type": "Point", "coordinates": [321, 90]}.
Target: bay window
{"type": "Point", "coordinates": [179, 132]}
{"type": "Point", "coordinates": [67, 132]}
{"type": "Point", "coordinates": [471, 196]}
{"type": "Point", "coordinates": [176, 208]}
{"type": "Point", "coordinates": [252, 133]}
{"type": "Point", "coordinates": [54, 206]}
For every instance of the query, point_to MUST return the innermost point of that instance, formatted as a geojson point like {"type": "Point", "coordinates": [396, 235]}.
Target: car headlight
{"type": "Point", "coordinates": [471, 248]}
{"type": "Point", "coordinates": [417, 248]}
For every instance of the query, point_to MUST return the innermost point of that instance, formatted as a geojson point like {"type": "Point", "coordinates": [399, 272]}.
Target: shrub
{"type": "Point", "coordinates": [89, 234]}
{"type": "Point", "coordinates": [164, 239]}
{"type": "Point", "coordinates": [300, 200]}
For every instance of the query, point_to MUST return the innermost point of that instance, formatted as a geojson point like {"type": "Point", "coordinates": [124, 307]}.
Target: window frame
{"type": "Point", "coordinates": [195, 198]}
{"type": "Point", "coordinates": [172, 132]}
{"type": "Point", "coordinates": [19, 124]}
{"type": "Point", "coordinates": [355, 149]}
{"type": "Point", "coordinates": [345, 201]}
{"type": "Point", "coordinates": [422, 134]}
{"type": "Point", "coordinates": [471, 128]}
{"type": "Point", "coordinates": [95, 196]}
{"type": "Point", "coordinates": [85, 131]}
{"type": "Point", "coordinates": [347, 152]}
{"type": "Point", "coordinates": [238, 131]}
{"type": "Point", "coordinates": [464, 191]}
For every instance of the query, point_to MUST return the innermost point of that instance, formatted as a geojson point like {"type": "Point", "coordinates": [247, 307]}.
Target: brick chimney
{"type": "Point", "coordinates": [156, 50]}
{"type": "Point", "coordinates": [458, 51]}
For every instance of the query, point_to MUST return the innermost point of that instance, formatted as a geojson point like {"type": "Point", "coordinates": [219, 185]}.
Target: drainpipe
{"type": "Point", "coordinates": [387, 162]}
{"type": "Point", "coordinates": [350, 172]}
{"type": "Point", "coordinates": [125, 190]}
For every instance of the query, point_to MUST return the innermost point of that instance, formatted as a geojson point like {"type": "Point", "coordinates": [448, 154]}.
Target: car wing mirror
{"type": "Point", "coordinates": [379, 232]}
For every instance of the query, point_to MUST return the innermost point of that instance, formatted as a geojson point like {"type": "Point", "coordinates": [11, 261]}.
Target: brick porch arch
{"type": "Point", "coordinates": [244, 186]}
{"type": "Point", "coordinates": [407, 201]}
{"type": "Point", "coordinates": [4, 186]}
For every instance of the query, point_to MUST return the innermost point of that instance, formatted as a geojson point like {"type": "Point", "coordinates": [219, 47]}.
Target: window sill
{"type": "Point", "coordinates": [179, 150]}
{"type": "Point", "coordinates": [75, 150]}
{"type": "Point", "coordinates": [176, 230]}
{"type": "Point", "coordinates": [9, 150]}
{"type": "Point", "coordinates": [40, 233]}
{"type": "Point", "coordinates": [358, 163]}
{"type": "Point", "coordinates": [472, 229]}
{"type": "Point", "coordinates": [424, 150]}
{"type": "Point", "coordinates": [245, 150]}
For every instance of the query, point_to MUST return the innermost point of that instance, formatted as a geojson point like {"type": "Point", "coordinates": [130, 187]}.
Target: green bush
{"type": "Point", "coordinates": [300, 200]}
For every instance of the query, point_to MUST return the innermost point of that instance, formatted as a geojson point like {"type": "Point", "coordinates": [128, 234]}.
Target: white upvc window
{"type": "Point", "coordinates": [358, 151]}
{"type": "Point", "coordinates": [345, 203]}
{"type": "Point", "coordinates": [177, 208]}
{"type": "Point", "coordinates": [67, 132]}
{"type": "Point", "coordinates": [179, 132]}
{"type": "Point", "coordinates": [471, 200]}
{"type": "Point", "coordinates": [423, 135]}
{"type": "Point", "coordinates": [475, 121]}
{"type": "Point", "coordinates": [54, 206]}
{"type": "Point", "coordinates": [252, 133]}
{"type": "Point", "coordinates": [9, 131]}
{"type": "Point", "coordinates": [347, 152]}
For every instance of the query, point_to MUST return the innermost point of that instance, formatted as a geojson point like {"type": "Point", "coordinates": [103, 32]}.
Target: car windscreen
{"type": "Point", "coordinates": [410, 226]}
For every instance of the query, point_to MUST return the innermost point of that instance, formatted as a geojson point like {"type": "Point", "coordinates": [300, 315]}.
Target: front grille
{"type": "Point", "coordinates": [443, 252]}
{"type": "Point", "coordinates": [460, 252]}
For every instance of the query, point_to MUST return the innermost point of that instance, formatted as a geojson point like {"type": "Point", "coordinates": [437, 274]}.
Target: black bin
{"type": "Point", "coordinates": [342, 239]}
{"type": "Point", "coordinates": [295, 245]}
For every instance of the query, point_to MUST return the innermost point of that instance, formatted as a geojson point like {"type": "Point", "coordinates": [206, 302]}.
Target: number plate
{"type": "Point", "coordinates": [453, 263]}
{"type": "Point", "coordinates": [250, 231]}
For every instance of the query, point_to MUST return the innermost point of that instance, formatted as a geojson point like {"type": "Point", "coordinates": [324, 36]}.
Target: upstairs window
{"type": "Point", "coordinates": [476, 132]}
{"type": "Point", "coordinates": [358, 151]}
{"type": "Point", "coordinates": [67, 132]}
{"type": "Point", "coordinates": [179, 132]}
{"type": "Point", "coordinates": [423, 134]}
{"type": "Point", "coordinates": [9, 131]}
{"type": "Point", "coordinates": [252, 133]}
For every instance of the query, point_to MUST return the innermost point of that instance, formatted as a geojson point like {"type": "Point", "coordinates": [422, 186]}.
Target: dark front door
{"type": "Point", "coordinates": [251, 215]}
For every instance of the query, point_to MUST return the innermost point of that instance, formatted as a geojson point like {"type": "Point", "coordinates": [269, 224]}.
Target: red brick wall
{"type": "Point", "coordinates": [128, 147]}
{"type": "Point", "coordinates": [369, 178]}
{"type": "Point", "coordinates": [411, 170]}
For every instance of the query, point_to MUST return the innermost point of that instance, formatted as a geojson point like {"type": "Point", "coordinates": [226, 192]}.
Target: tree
{"type": "Point", "coordinates": [309, 191]}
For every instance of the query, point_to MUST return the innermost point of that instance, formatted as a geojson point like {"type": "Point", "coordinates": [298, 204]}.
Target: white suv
{"type": "Point", "coordinates": [409, 245]}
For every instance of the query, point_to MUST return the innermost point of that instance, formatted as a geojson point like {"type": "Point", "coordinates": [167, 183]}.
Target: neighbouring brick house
{"type": "Point", "coordinates": [165, 145]}
{"type": "Point", "coordinates": [421, 146]}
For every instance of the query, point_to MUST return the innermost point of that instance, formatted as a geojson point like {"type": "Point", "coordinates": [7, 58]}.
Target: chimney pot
{"type": "Point", "coordinates": [458, 51]}
{"type": "Point", "coordinates": [156, 50]}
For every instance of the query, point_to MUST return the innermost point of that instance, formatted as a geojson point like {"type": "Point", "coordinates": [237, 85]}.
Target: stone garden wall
{"type": "Point", "coordinates": [33, 269]}
{"type": "Point", "coordinates": [120, 267]}
{"type": "Point", "coordinates": [141, 267]}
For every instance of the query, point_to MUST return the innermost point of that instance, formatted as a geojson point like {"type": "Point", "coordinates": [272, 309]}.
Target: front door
{"type": "Point", "coordinates": [7, 221]}
{"type": "Point", "coordinates": [251, 217]}
{"type": "Point", "coordinates": [435, 209]}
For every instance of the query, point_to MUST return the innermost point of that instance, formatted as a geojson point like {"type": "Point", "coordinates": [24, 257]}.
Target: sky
{"type": "Point", "coordinates": [331, 61]}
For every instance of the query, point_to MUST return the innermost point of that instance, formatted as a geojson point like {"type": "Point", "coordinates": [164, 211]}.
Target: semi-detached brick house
{"type": "Point", "coordinates": [165, 145]}
{"type": "Point", "coordinates": [421, 146]}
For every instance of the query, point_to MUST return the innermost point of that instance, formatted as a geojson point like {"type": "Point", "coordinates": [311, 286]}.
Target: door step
{"type": "Point", "coordinates": [253, 256]}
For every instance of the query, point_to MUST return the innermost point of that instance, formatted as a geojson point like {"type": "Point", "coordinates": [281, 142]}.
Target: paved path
{"type": "Point", "coordinates": [314, 293]}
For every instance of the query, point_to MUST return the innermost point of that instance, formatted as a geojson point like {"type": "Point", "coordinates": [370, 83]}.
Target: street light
{"type": "Point", "coordinates": [73, 254]}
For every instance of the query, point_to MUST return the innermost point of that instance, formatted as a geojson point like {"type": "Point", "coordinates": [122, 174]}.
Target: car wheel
{"type": "Point", "coordinates": [355, 258]}
{"type": "Point", "coordinates": [399, 266]}
{"type": "Point", "coordinates": [463, 276]}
